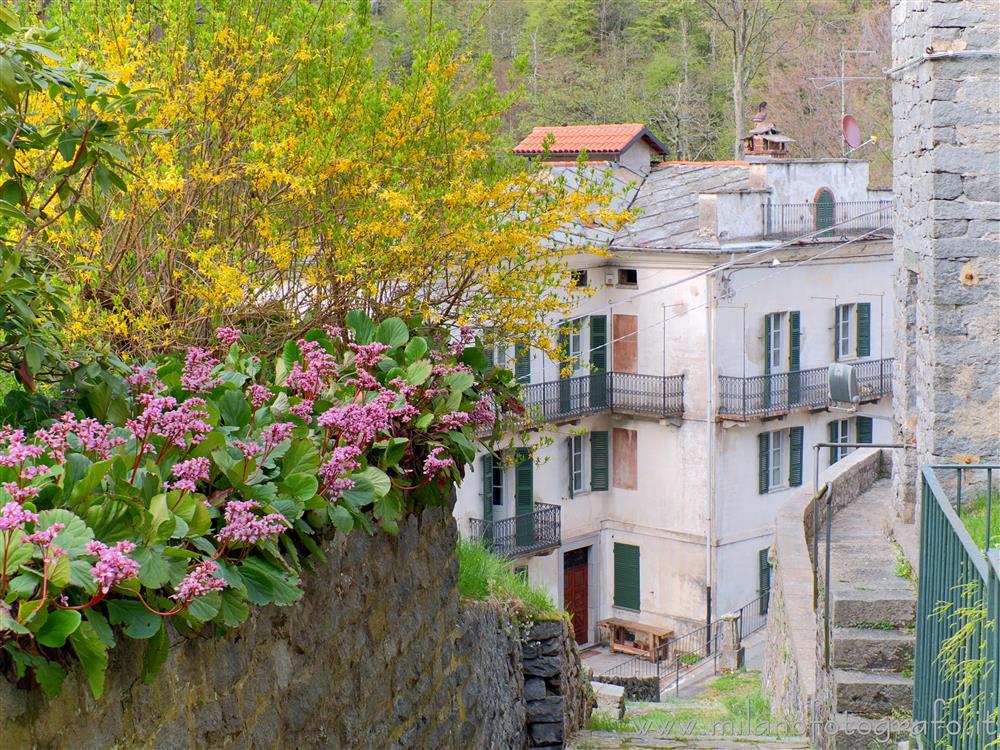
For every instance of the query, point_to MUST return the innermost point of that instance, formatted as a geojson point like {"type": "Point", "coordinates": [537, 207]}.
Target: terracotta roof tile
{"type": "Point", "coordinates": [572, 139]}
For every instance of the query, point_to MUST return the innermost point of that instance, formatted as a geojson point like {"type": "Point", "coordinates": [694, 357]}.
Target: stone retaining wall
{"type": "Point", "coordinates": [792, 675]}
{"type": "Point", "coordinates": [379, 654]}
{"type": "Point", "coordinates": [645, 689]}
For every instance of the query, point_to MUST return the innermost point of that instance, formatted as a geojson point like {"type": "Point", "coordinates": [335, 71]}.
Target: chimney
{"type": "Point", "coordinates": [764, 139]}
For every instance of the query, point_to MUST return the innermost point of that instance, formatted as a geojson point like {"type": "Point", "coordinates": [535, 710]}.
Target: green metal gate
{"type": "Point", "coordinates": [956, 698]}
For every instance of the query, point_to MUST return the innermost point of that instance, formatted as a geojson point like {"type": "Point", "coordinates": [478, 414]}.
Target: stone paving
{"type": "Point", "coordinates": [610, 741]}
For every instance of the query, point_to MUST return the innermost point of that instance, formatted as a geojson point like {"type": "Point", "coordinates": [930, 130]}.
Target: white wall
{"type": "Point", "coordinates": [667, 516]}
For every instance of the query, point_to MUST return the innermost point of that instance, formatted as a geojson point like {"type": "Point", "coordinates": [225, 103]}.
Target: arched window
{"type": "Point", "coordinates": [824, 209]}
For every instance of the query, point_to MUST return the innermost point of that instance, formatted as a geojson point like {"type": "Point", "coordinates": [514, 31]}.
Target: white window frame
{"type": "Point", "coordinates": [844, 430]}
{"type": "Point", "coordinates": [498, 484]}
{"type": "Point", "coordinates": [846, 331]}
{"type": "Point", "coordinates": [578, 463]}
{"type": "Point", "coordinates": [575, 352]}
{"type": "Point", "coordinates": [777, 344]}
{"type": "Point", "coordinates": [776, 459]}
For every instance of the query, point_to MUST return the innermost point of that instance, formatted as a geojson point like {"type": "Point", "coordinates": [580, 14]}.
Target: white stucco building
{"type": "Point", "coordinates": [699, 382]}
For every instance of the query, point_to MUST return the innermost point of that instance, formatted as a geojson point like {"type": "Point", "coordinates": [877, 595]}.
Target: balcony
{"type": "Point", "coordinates": [528, 534]}
{"type": "Point", "coordinates": [623, 392]}
{"type": "Point", "coordinates": [783, 221]}
{"type": "Point", "coordinates": [765, 396]}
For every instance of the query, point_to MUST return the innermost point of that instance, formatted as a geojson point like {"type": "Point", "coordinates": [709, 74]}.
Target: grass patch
{"type": "Point", "coordinates": [974, 517]}
{"type": "Point", "coordinates": [903, 568]}
{"type": "Point", "coordinates": [484, 576]}
{"type": "Point", "coordinates": [733, 704]}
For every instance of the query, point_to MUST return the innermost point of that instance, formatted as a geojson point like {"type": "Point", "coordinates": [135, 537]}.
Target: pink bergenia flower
{"type": "Point", "coordinates": [273, 434]}
{"type": "Point", "coordinates": [228, 336]}
{"type": "Point", "coordinates": [302, 410]}
{"type": "Point", "coordinates": [19, 494]}
{"type": "Point", "coordinates": [482, 413]}
{"type": "Point", "coordinates": [248, 449]}
{"type": "Point", "coordinates": [200, 581]}
{"type": "Point", "coordinates": [189, 473]}
{"type": "Point", "coordinates": [243, 525]}
{"type": "Point", "coordinates": [368, 355]}
{"type": "Point", "coordinates": [184, 426]}
{"type": "Point", "coordinates": [334, 332]}
{"type": "Point", "coordinates": [18, 451]}
{"type": "Point", "coordinates": [434, 464]}
{"type": "Point", "coordinates": [358, 424]}
{"type": "Point", "coordinates": [311, 380]}
{"type": "Point", "coordinates": [44, 538]}
{"type": "Point", "coordinates": [56, 437]}
{"type": "Point", "coordinates": [342, 461]}
{"type": "Point", "coordinates": [96, 438]}
{"type": "Point", "coordinates": [455, 420]}
{"type": "Point", "coordinates": [112, 566]}
{"type": "Point", "coordinates": [259, 395]}
{"type": "Point", "coordinates": [144, 380]}
{"type": "Point", "coordinates": [197, 374]}
{"type": "Point", "coordinates": [13, 516]}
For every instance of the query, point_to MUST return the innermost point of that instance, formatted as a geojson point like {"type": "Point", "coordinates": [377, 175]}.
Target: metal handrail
{"type": "Point", "coordinates": [522, 534]}
{"type": "Point", "coordinates": [779, 393]}
{"type": "Point", "coordinates": [792, 220]}
{"type": "Point", "coordinates": [566, 398]}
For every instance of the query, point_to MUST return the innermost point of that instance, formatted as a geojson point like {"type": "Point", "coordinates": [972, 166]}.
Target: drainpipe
{"type": "Point", "coordinates": [710, 443]}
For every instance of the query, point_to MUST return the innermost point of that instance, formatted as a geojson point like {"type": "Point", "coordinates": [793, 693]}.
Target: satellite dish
{"type": "Point", "coordinates": [851, 130]}
{"type": "Point", "coordinates": [843, 384]}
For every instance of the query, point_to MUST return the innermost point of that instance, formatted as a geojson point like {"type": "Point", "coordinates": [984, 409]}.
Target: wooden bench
{"type": "Point", "coordinates": [626, 637]}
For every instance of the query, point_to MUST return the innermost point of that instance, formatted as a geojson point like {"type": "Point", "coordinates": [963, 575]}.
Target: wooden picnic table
{"type": "Point", "coordinates": [627, 637]}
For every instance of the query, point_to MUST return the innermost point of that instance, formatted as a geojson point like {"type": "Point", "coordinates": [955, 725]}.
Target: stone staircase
{"type": "Point", "coordinates": [872, 613]}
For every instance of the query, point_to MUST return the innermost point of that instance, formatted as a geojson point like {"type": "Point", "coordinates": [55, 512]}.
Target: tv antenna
{"type": "Point", "coordinates": [842, 79]}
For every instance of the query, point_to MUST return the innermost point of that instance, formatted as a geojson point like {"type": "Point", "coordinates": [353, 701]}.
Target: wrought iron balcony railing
{"type": "Point", "coordinates": [526, 534]}
{"type": "Point", "coordinates": [654, 395]}
{"type": "Point", "coordinates": [789, 220]}
{"type": "Point", "coordinates": [780, 393]}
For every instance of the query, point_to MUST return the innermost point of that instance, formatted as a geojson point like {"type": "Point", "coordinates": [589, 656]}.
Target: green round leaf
{"type": "Point", "coordinates": [57, 628]}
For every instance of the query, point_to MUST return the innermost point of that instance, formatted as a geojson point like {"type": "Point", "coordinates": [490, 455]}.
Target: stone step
{"type": "Point", "coordinates": [867, 649]}
{"type": "Point", "coordinates": [872, 694]}
{"type": "Point", "coordinates": [855, 732]}
{"type": "Point", "coordinates": [863, 609]}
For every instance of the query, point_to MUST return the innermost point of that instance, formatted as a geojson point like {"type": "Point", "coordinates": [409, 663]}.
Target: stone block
{"type": "Point", "coordinates": [543, 666]}
{"type": "Point", "coordinates": [548, 709]}
{"type": "Point", "coordinates": [534, 688]}
{"type": "Point", "coordinates": [547, 735]}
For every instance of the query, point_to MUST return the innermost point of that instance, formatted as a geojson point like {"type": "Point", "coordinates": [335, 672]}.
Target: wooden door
{"type": "Point", "coordinates": [576, 587]}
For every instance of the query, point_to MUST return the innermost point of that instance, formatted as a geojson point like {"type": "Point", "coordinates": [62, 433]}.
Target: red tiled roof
{"type": "Point", "coordinates": [594, 139]}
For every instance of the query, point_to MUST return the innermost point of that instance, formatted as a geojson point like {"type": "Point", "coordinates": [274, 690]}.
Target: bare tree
{"type": "Point", "coordinates": [747, 24]}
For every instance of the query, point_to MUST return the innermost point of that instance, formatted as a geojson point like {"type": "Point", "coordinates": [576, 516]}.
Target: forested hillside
{"type": "Point", "coordinates": [669, 64]}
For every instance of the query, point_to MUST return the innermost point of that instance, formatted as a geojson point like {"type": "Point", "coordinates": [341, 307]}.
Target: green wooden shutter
{"type": "Point", "coordinates": [834, 437]}
{"type": "Point", "coordinates": [565, 392]}
{"type": "Point", "coordinates": [864, 427]}
{"type": "Point", "coordinates": [794, 378]}
{"type": "Point", "coordinates": [599, 461]}
{"type": "Point", "coordinates": [522, 363]}
{"type": "Point", "coordinates": [864, 329]}
{"type": "Point", "coordinates": [487, 468]}
{"type": "Point", "coordinates": [795, 440]}
{"type": "Point", "coordinates": [599, 361]}
{"type": "Point", "coordinates": [767, 361]}
{"type": "Point", "coordinates": [763, 462]}
{"type": "Point", "coordinates": [763, 579]}
{"type": "Point", "coordinates": [569, 463]}
{"type": "Point", "coordinates": [626, 576]}
{"type": "Point", "coordinates": [490, 359]}
{"type": "Point", "coordinates": [836, 333]}
{"type": "Point", "coordinates": [524, 498]}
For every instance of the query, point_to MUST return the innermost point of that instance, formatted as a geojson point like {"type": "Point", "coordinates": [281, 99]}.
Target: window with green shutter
{"type": "Point", "coordinates": [795, 440]}
{"type": "Point", "coordinates": [865, 428]}
{"type": "Point", "coordinates": [522, 363]}
{"type": "Point", "coordinates": [486, 466]}
{"type": "Point", "coordinates": [626, 576]}
{"type": "Point", "coordinates": [764, 462]}
{"type": "Point", "coordinates": [763, 579]}
{"type": "Point", "coordinates": [864, 337]}
{"type": "Point", "coordinates": [794, 339]}
{"type": "Point", "coordinates": [599, 461]}
{"type": "Point", "coordinates": [524, 497]}
{"type": "Point", "coordinates": [598, 361]}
